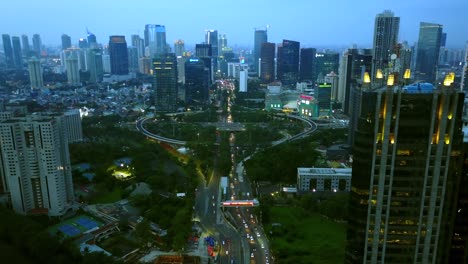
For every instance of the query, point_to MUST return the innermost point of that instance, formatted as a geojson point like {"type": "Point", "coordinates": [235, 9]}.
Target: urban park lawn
{"type": "Point", "coordinates": [297, 236]}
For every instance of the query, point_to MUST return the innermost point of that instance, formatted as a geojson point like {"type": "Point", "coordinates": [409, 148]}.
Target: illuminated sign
{"type": "Point", "coordinates": [307, 97]}
{"type": "Point", "coordinates": [193, 60]}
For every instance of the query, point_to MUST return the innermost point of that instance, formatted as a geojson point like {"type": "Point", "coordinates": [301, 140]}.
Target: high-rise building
{"type": "Point", "coordinates": [427, 55]}
{"type": "Point", "coordinates": [132, 59]}
{"type": "Point", "coordinates": [407, 157]}
{"type": "Point", "coordinates": [181, 68]}
{"type": "Point", "coordinates": [386, 29]}
{"type": "Point", "coordinates": [325, 62]}
{"type": "Point", "coordinates": [288, 62]}
{"type": "Point", "coordinates": [66, 42]}
{"type": "Point", "coordinates": [10, 63]}
{"type": "Point", "coordinates": [35, 165]}
{"type": "Point", "coordinates": [243, 80]}
{"type": "Point", "coordinates": [222, 43]}
{"type": "Point", "coordinates": [73, 70]}
{"type": "Point", "coordinates": [83, 43]}
{"type": "Point", "coordinates": [94, 65]}
{"type": "Point", "coordinates": [139, 43]}
{"type": "Point", "coordinates": [92, 41]}
{"type": "Point", "coordinates": [35, 73]}
{"type": "Point", "coordinates": [155, 39]}
{"type": "Point", "coordinates": [306, 72]}
{"type": "Point", "coordinates": [37, 45]}
{"type": "Point", "coordinates": [197, 79]}
{"type": "Point", "coordinates": [211, 37]}
{"type": "Point", "coordinates": [260, 37]}
{"type": "Point", "coordinates": [118, 55]}
{"type": "Point", "coordinates": [464, 82]}
{"type": "Point", "coordinates": [353, 65]}
{"type": "Point", "coordinates": [26, 47]}
{"type": "Point", "coordinates": [203, 50]}
{"type": "Point", "coordinates": [267, 58]}
{"type": "Point", "coordinates": [17, 56]}
{"type": "Point", "coordinates": [459, 245]}
{"type": "Point", "coordinates": [165, 82]}
{"type": "Point", "coordinates": [179, 47]}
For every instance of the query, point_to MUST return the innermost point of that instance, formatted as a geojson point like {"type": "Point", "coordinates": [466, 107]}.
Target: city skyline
{"type": "Point", "coordinates": [339, 27]}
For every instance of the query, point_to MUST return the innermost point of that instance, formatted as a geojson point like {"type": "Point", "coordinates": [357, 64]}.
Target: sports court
{"type": "Point", "coordinates": [75, 226]}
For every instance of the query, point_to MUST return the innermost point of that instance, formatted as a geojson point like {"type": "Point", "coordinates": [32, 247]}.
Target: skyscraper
{"type": "Point", "coordinates": [222, 43]}
{"type": "Point", "coordinates": [155, 39]}
{"type": "Point", "coordinates": [66, 41]}
{"type": "Point", "coordinates": [165, 82]}
{"type": "Point", "coordinates": [353, 65]}
{"type": "Point", "coordinates": [260, 37]}
{"type": "Point", "coordinates": [36, 165]}
{"type": "Point", "coordinates": [464, 82]}
{"type": "Point", "coordinates": [306, 72]}
{"type": "Point", "coordinates": [94, 65]}
{"type": "Point", "coordinates": [267, 56]}
{"type": "Point", "coordinates": [427, 55]}
{"type": "Point", "coordinates": [406, 174]}
{"type": "Point", "coordinates": [35, 73]}
{"type": "Point", "coordinates": [17, 56]}
{"type": "Point", "coordinates": [26, 47]}
{"type": "Point", "coordinates": [179, 47]}
{"type": "Point", "coordinates": [386, 29]}
{"type": "Point", "coordinates": [8, 51]}
{"type": "Point", "coordinates": [211, 37]}
{"type": "Point", "coordinates": [118, 55]}
{"type": "Point", "coordinates": [325, 62]}
{"type": "Point", "coordinates": [73, 70]}
{"type": "Point", "coordinates": [203, 50]}
{"type": "Point", "coordinates": [288, 62]}
{"type": "Point", "coordinates": [37, 45]}
{"type": "Point", "coordinates": [139, 43]}
{"type": "Point", "coordinates": [132, 59]}
{"type": "Point", "coordinates": [197, 78]}
{"type": "Point", "coordinates": [92, 41]}
{"type": "Point", "coordinates": [83, 43]}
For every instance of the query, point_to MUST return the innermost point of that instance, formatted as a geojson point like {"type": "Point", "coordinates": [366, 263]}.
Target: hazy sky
{"type": "Point", "coordinates": [315, 23]}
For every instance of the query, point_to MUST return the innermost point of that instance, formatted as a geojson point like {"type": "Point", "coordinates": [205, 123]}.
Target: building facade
{"type": "Point", "coordinates": [427, 56]}
{"type": "Point", "coordinates": [386, 29]}
{"type": "Point", "coordinates": [406, 173]}
{"type": "Point", "coordinates": [7, 48]}
{"type": "Point", "coordinates": [260, 37]}
{"type": "Point", "coordinates": [288, 62]}
{"type": "Point", "coordinates": [267, 58]}
{"type": "Point", "coordinates": [118, 55]}
{"type": "Point", "coordinates": [36, 78]}
{"type": "Point", "coordinates": [165, 82]}
{"type": "Point", "coordinates": [36, 169]}
{"type": "Point", "coordinates": [323, 180]}
{"type": "Point", "coordinates": [307, 64]}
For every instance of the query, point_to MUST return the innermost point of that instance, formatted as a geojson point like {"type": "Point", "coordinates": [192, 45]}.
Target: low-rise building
{"type": "Point", "coordinates": [323, 179]}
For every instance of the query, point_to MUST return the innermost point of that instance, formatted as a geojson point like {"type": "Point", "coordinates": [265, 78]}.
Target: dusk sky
{"type": "Point", "coordinates": [315, 23]}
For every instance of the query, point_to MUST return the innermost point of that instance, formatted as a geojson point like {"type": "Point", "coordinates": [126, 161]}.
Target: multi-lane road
{"type": "Point", "coordinates": [239, 235]}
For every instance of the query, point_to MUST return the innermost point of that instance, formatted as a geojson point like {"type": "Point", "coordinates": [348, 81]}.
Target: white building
{"type": "Point", "coordinates": [323, 179]}
{"type": "Point", "coordinates": [235, 68]}
{"type": "Point", "coordinates": [35, 162]}
{"type": "Point", "coordinates": [73, 70]}
{"type": "Point", "coordinates": [35, 73]}
{"type": "Point", "coordinates": [243, 80]}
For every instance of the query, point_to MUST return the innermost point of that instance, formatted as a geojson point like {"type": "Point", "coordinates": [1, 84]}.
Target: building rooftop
{"type": "Point", "coordinates": [325, 171]}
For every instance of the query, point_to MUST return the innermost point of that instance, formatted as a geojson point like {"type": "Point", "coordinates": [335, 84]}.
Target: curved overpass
{"type": "Point", "coordinates": [139, 127]}
{"type": "Point", "coordinates": [141, 121]}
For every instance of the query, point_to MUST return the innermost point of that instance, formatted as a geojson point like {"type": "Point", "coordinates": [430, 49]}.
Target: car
{"type": "Point", "coordinates": [251, 255]}
{"type": "Point", "coordinates": [227, 252]}
{"type": "Point", "coordinates": [262, 246]}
